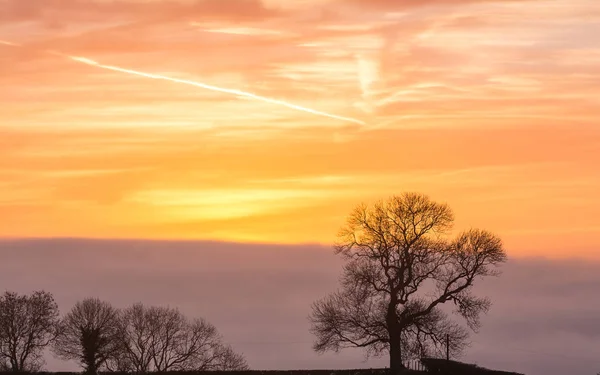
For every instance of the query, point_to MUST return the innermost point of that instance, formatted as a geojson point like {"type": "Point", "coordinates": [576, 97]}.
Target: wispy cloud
{"type": "Point", "coordinates": [245, 96]}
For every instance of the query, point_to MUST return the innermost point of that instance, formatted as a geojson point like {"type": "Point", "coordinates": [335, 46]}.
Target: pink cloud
{"type": "Point", "coordinates": [65, 12]}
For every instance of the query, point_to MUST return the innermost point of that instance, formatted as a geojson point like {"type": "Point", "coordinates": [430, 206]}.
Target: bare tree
{"type": "Point", "coordinates": [228, 360]}
{"type": "Point", "coordinates": [400, 269]}
{"type": "Point", "coordinates": [135, 338]}
{"type": "Point", "coordinates": [27, 327]}
{"type": "Point", "coordinates": [163, 339]}
{"type": "Point", "coordinates": [89, 334]}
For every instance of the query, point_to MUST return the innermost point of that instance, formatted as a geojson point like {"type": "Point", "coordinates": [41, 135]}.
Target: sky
{"type": "Point", "coordinates": [490, 106]}
{"type": "Point", "coordinates": [252, 128]}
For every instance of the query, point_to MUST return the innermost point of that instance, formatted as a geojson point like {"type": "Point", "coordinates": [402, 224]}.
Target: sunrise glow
{"type": "Point", "coordinates": [269, 121]}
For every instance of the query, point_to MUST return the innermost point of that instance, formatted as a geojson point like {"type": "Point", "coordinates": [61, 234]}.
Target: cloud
{"type": "Point", "coordinates": [393, 5]}
{"type": "Point", "coordinates": [544, 319]}
{"type": "Point", "coordinates": [130, 183]}
{"type": "Point", "coordinates": [450, 93]}
{"type": "Point", "coordinates": [79, 11]}
{"type": "Point", "coordinates": [544, 315]}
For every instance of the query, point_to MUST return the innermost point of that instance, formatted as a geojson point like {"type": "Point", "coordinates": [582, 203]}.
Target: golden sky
{"type": "Point", "coordinates": [491, 106]}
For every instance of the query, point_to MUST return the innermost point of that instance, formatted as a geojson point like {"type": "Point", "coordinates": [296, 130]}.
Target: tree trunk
{"type": "Point", "coordinates": [395, 353]}
{"type": "Point", "coordinates": [91, 368]}
{"type": "Point", "coordinates": [90, 345]}
{"type": "Point", "coordinates": [395, 339]}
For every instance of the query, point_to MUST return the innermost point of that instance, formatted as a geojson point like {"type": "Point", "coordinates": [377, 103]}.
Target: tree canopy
{"type": "Point", "coordinates": [27, 326]}
{"type": "Point", "coordinates": [401, 267]}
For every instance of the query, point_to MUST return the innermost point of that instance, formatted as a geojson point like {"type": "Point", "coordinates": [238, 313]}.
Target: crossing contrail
{"type": "Point", "coordinates": [84, 60]}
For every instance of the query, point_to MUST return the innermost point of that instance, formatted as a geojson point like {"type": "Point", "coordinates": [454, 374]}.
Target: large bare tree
{"type": "Point", "coordinates": [401, 268]}
{"type": "Point", "coordinates": [163, 339]}
{"type": "Point", "coordinates": [89, 334]}
{"type": "Point", "coordinates": [27, 326]}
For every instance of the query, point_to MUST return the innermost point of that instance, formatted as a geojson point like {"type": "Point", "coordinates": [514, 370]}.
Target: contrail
{"type": "Point", "coordinates": [235, 92]}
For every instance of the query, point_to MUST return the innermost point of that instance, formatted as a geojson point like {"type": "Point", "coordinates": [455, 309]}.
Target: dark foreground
{"type": "Point", "coordinates": [429, 365]}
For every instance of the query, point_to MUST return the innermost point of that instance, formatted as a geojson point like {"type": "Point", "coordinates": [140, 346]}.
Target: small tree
{"type": "Point", "coordinates": [27, 327]}
{"type": "Point", "coordinates": [226, 359]}
{"type": "Point", "coordinates": [163, 339]}
{"type": "Point", "coordinates": [89, 334]}
{"type": "Point", "coordinates": [400, 269]}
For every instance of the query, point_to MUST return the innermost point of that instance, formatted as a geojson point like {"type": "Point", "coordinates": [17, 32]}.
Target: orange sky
{"type": "Point", "coordinates": [491, 106]}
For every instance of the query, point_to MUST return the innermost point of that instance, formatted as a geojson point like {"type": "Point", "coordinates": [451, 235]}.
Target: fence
{"type": "Point", "coordinates": [415, 365]}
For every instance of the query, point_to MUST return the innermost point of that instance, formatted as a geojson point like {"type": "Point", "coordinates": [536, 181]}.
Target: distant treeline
{"type": "Point", "coordinates": [101, 338]}
{"type": "Point", "coordinates": [140, 340]}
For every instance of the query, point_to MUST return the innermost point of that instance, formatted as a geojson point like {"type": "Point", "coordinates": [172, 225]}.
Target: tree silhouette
{"type": "Point", "coordinates": [27, 327]}
{"type": "Point", "coordinates": [163, 339]}
{"type": "Point", "coordinates": [400, 269]}
{"type": "Point", "coordinates": [135, 336]}
{"type": "Point", "coordinates": [89, 334]}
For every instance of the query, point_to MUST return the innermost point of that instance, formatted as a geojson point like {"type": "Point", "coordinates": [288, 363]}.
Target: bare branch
{"type": "Point", "coordinates": [89, 334]}
{"type": "Point", "coordinates": [395, 252]}
{"type": "Point", "coordinates": [27, 326]}
{"type": "Point", "coordinates": [161, 339]}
